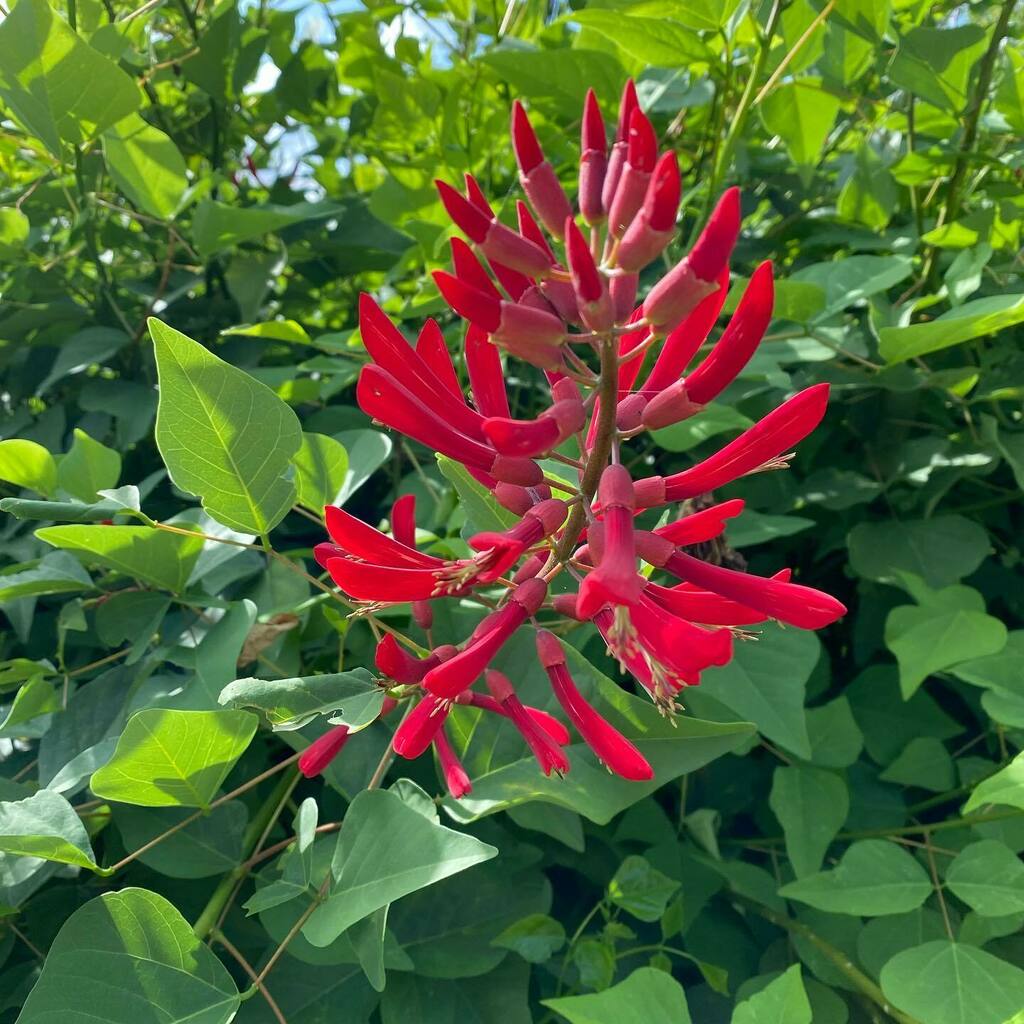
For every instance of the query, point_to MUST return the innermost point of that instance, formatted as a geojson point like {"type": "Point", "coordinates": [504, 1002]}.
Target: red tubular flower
{"type": "Point", "coordinates": [617, 159]}
{"type": "Point", "coordinates": [420, 727]}
{"type": "Point", "coordinates": [380, 396]}
{"type": "Point", "coordinates": [601, 736]}
{"type": "Point", "coordinates": [683, 341]}
{"type": "Point", "coordinates": [458, 674]}
{"type": "Point", "coordinates": [695, 275]}
{"type": "Point", "coordinates": [551, 725]}
{"type": "Point", "coordinates": [653, 226]}
{"type": "Point", "coordinates": [502, 550]}
{"type": "Point", "coordinates": [701, 526]}
{"type": "Point", "coordinates": [676, 650]}
{"type": "Point", "coordinates": [486, 378]}
{"type": "Point", "coordinates": [391, 352]}
{"type": "Point", "coordinates": [527, 438]}
{"type": "Point", "coordinates": [696, 605]}
{"type": "Point", "coordinates": [592, 298]}
{"type": "Point", "coordinates": [530, 333]}
{"type": "Point", "coordinates": [497, 241]}
{"type": "Point", "coordinates": [757, 447]}
{"type": "Point", "coordinates": [788, 602]}
{"type": "Point", "coordinates": [455, 777]}
{"type": "Point", "coordinates": [641, 154]}
{"type": "Point", "coordinates": [401, 666]}
{"type": "Point", "coordinates": [355, 537]}
{"type": "Point", "coordinates": [433, 350]}
{"type": "Point", "coordinates": [593, 161]}
{"type": "Point", "coordinates": [537, 176]}
{"type": "Point", "coordinates": [469, 269]}
{"type": "Point", "coordinates": [322, 751]}
{"type": "Point", "coordinates": [366, 582]}
{"type": "Point", "coordinates": [738, 341]}
{"type": "Point", "coordinates": [548, 753]}
{"type": "Point", "coordinates": [615, 580]}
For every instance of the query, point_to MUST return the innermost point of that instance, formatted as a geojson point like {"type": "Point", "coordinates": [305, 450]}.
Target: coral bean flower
{"type": "Point", "coordinates": [564, 300]}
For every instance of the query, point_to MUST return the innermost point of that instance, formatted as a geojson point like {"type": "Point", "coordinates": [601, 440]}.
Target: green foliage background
{"type": "Point", "coordinates": [242, 173]}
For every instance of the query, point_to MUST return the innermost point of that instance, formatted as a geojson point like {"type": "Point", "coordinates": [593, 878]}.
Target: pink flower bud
{"type": "Point", "coordinates": [617, 159]}
{"type": "Point", "coordinates": [595, 304]}
{"type": "Point", "coordinates": [623, 289]}
{"type": "Point", "coordinates": [673, 405]}
{"type": "Point", "coordinates": [652, 228]}
{"type": "Point", "coordinates": [593, 161]}
{"type": "Point", "coordinates": [641, 154]}
{"type": "Point", "coordinates": [537, 176]}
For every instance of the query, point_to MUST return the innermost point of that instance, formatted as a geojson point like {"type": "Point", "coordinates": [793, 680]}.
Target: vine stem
{"type": "Point", "coordinates": [219, 936]}
{"type": "Point", "coordinates": [836, 957]}
{"type": "Point", "coordinates": [739, 119]}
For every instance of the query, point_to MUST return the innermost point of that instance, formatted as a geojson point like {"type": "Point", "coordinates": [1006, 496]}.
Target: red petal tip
{"type": "Point", "coordinates": [468, 218]}
{"type": "Point", "coordinates": [524, 140]}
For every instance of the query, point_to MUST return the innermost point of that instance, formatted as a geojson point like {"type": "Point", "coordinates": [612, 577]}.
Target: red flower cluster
{"type": "Point", "coordinates": [563, 317]}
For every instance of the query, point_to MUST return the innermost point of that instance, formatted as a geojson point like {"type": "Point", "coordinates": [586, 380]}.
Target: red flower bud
{"type": "Point", "coordinates": [551, 725]}
{"type": "Point", "coordinates": [623, 288]}
{"type": "Point", "coordinates": [322, 751]}
{"type": "Point", "coordinates": [595, 304]}
{"type": "Point", "coordinates": [700, 527]}
{"type": "Point", "coordinates": [433, 350]}
{"type": "Point", "coordinates": [710, 255]}
{"type": "Point", "coordinates": [486, 377]}
{"type": "Point", "coordinates": [455, 777]}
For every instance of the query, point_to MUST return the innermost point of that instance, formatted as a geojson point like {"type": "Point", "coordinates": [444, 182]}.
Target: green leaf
{"type": "Point", "coordinates": [321, 469]}
{"type": "Point", "coordinates": [88, 467]}
{"type": "Point", "coordinates": [936, 63]}
{"type": "Point", "coordinates": [999, 671]}
{"type": "Point", "coordinates": [210, 845]}
{"type": "Point", "coordinates": [640, 889]}
{"type": "Point", "coordinates": [353, 698]}
{"type": "Point", "coordinates": [217, 226]}
{"type": "Point", "coordinates": [83, 349]}
{"type": "Point", "coordinates": [368, 450]}
{"type": "Point", "coordinates": [647, 995]}
{"type": "Point", "coordinates": [146, 166]}
{"type": "Point", "coordinates": [989, 878]}
{"type": "Point", "coordinates": [963, 323]}
{"type": "Point", "coordinates": [873, 878]}
{"type": "Point", "coordinates": [1005, 787]}
{"type": "Point", "coordinates": [45, 825]}
{"type": "Point", "coordinates": [224, 436]}
{"type": "Point", "coordinates": [158, 557]}
{"type": "Point", "coordinates": [750, 528]}
{"type": "Point", "coordinates": [944, 982]}
{"type": "Point", "coordinates": [924, 762]}
{"type": "Point", "coordinates": [765, 684]}
{"type": "Point", "coordinates": [27, 464]}
{"type": "Point", "coordinates": [564, 825]}
{"type": "Point", "coordinates": [14, 228]}
{"type": "Point", "coordinates": [801, 113]}
{"type": "Point", "coordinates": [933, 639]}
{"type": "Point", "coordinates": [783, 1001]}
{"type": "Point", "coordinates": [168, 758]}
{"type": "Point", "coordinates": [483, 513]}
{"type": "Point", "coordinates": [870, 196]}
{"type": "Point", "coordinates": [536, 938]}
{"type": "Point", "coordinates": [129, 957]}
{"type": "Point", "coordinates": [37, 697]}
{"type": "Point", "coordinates": [55, 573]}
{"type": "Point", "coordinates": [811, 805]}
{"type": "Point", "coordinates": [879, 550]}
{"type": "Point", "coordinates": [659, 41]}
{"type": "Point", "coordinates": [386, 850]}
{"type": "Point", "coordinates": [836, 739]}
{"type": "Point", "coordinates": [854, 278]}
{"type": "Point", "coordinates": [59, 87]}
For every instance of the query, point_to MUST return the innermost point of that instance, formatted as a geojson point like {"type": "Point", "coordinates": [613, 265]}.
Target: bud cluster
{"type": "Point", "coordinates": [563, 316]}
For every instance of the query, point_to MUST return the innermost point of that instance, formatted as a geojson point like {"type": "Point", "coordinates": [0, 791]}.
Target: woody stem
{"type": "Point", "coordinates": [597, 458]}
